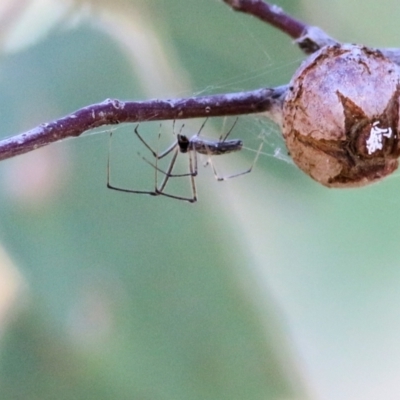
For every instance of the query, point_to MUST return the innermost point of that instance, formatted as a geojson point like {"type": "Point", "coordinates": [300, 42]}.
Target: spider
{"type": "Point", "coordinates": [191, 146]}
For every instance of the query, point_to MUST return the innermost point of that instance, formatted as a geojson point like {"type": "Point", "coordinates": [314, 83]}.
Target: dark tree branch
{"type": "Point", "coordinates": [111, 112]}
{"type": "Point", "coordinates": [309, 38]}
{"type": "Point", "coordinates": [271, 14]}
{"type": "Point", "coordinates": [268, 101]}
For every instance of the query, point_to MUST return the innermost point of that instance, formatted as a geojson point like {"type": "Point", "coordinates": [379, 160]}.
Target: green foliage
{"type": "Point", "coordinates": [133, 297]}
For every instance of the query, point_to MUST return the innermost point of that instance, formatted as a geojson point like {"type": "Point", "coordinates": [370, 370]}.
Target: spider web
{"type": "Point", "coordinates": [266, 70]}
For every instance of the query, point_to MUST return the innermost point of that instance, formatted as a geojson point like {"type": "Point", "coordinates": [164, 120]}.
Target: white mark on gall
{"type": "Point", "coordinates": [341, 116]}
{"type": "Point", "coordinates": [375, 140]}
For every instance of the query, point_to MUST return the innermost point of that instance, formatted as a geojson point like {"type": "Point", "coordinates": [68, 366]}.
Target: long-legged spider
{"type": "Point", "coordinates": [192, 146]}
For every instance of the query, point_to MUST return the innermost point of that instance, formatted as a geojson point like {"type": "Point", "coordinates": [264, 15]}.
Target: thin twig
{"type": "Point", "coordinates": [271, 14]}
{"type": "Point", "coordinates": [309, 38]}
{"type": "Point", "coordinates": [111, 112]}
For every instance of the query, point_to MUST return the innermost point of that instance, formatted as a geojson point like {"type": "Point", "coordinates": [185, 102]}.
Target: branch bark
{"type": "Point", "coordinates": [111, 112]}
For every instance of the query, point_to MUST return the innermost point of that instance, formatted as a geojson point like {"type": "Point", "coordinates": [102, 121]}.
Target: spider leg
{"type": "Point", "coordinates": [201, 127]}
{"type": "Point", "coordinates": [144, 142]}
{"type": "Point", "coordinates": [159, 189]}
{"type": "Point", "coordinates": [171, 196]}
{"type": "Point", "coordinates": [223, 138]}
{"type": "Point", "coordinates": [221, 178]}
{"type": "Point", "coordinates": [112, 187]}
{"type": "Point", "coordinates": [180, 130]}
{"type": "Point", "coordinates": [155, 154]}
{"type": "Point", "coordinates": [192, 173]}
{"type": "Point", "coordinates": [224, 178]}
{"type": "Point", "coordinates": [167, 172]}
{"type": "Point", "coordinates": [161, 170]}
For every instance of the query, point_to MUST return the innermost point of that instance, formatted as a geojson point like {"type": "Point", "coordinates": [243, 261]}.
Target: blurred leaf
{"type": "Point", "coordinates": [269, 287]}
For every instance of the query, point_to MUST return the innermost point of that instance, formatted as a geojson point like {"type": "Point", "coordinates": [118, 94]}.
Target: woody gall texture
{"type": "Point", "coordinates": [341, 116]}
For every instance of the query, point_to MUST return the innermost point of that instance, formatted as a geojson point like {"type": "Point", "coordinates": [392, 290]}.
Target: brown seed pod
{"type": "Point", "coordinates": [341, 116]}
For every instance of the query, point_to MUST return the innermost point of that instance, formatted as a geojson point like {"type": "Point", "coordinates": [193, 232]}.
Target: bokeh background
{"type": "Point", "coordinates": [270, 287]}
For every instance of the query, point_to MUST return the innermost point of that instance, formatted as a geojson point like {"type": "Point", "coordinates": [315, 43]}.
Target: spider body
{"type": "Point", "coordinates": [208, 147]}
{"type": "Point", "coordinates": [192, 146]}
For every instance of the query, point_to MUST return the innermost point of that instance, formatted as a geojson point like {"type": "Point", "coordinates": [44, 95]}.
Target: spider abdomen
{"type": "Point", "coordinates": [203, 146]}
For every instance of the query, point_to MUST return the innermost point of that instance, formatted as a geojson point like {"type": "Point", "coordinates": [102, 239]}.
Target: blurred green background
{"type": "Point", "coordinates": [270, 287]}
